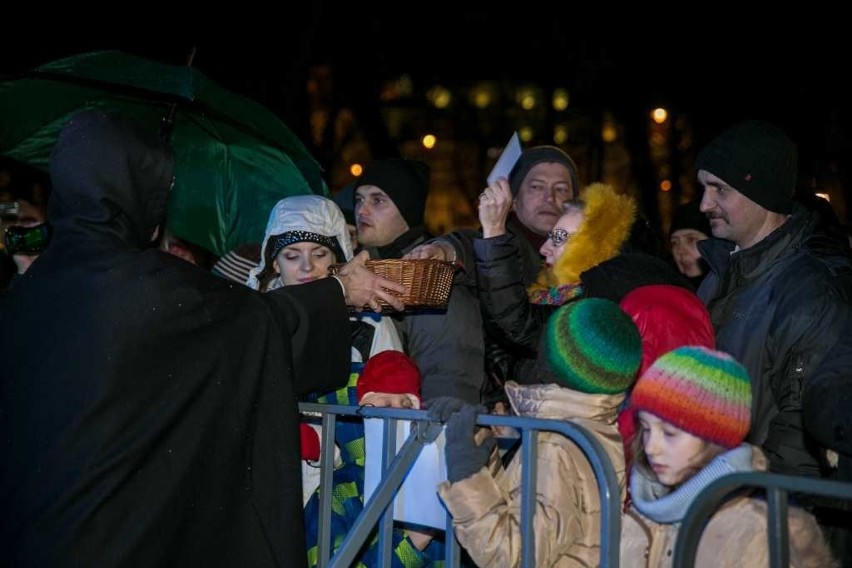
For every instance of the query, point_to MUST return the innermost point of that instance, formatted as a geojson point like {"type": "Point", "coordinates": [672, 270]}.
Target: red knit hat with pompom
{"type": "Point", "coordinates": [391, 372]}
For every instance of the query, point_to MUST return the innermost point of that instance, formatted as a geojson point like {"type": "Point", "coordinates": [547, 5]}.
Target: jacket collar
{"type": "Point", "coordinates": [747, 264]}
{"type": "Point", "coordinates": [560, 403]}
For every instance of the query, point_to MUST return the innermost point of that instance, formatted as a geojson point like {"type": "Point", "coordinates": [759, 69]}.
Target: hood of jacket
{"type": "Point", "coordinates": [607, 219]}
{"type": "Point", "coordinates": [111, 181]}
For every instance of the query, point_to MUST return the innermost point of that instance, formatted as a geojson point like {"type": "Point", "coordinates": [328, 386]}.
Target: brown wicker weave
{"type": "Point", "coordinates": [428, 281]}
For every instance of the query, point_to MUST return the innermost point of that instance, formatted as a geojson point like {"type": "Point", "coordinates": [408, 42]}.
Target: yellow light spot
{"type": "Point", "coordinates": [561, 99]}
{"type": "Point", "coordinates": [659, 115]}
{"type": "Point", "coordinates": [526, 133]}
{"type": "Point", "coordinates": [482, 98]}
{"type": "Point", "coordinates": [609, 133]}
{"type": "Point", "coordinates": [528, 102]}
{"type": "Point", "coordinates": [665, 185]}
{"type": "Point", "coordinates": [356, 169]}
{"type": "Point", "coordinates": [560, 134]}
{"type": "Point", "coordinates": [428, 141]}
{"type": "Point", "coordinates": [439, 96]}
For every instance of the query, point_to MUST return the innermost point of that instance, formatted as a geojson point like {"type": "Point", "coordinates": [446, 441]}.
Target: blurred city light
{"type": "Point", "coordinates": [439, 96]}
{"type": "Point", "coordinates": [561, 99]}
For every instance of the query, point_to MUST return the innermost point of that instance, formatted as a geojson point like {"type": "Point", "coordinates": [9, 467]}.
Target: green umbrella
{"type": "Point", "coordinates": [234, 158]}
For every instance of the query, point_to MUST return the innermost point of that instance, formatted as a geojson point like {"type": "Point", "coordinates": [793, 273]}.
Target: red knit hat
{"type": "Point", "coordinates": [310, 442]}
{"type": "Point", "coordinates": [391, 372]}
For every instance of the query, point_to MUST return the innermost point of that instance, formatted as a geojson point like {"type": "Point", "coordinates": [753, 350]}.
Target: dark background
{"type": "Point", "coordinates": [796, 79]}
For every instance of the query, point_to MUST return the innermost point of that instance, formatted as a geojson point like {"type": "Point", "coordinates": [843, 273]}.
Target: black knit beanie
{"type": "Point", "coordinates": [758, 160]}
{"type": "Point", "coordinates": [405, 181]}
{"type": "Point", "coordinates": [689, 216]}
{"type": "Point", "coordinates": [536, 155]}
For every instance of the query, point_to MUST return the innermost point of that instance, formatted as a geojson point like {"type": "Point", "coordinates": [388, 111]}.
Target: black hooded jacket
{"type": "Point", "coordinates": [147, 408]}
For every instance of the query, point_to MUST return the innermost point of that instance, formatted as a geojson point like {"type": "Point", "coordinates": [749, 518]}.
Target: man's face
{"type": "Point", "coordinates": [379, 221]}
{"type": "Point", "coordinates": [539, 201]}
{"type": "Point", "coordinates": [732, 215]}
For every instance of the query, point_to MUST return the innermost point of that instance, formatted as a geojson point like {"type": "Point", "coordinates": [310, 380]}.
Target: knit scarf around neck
{"type": "Point", "coordinates": [556, 296]}
{"type": "Point", "coordinates": [652, 500]}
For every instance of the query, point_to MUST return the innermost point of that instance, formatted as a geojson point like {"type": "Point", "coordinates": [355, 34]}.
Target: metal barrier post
{"type": "Point", "coordinates": [426, 432]}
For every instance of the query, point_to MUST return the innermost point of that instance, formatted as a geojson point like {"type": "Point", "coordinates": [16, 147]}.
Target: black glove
{"type": "Point", "coordinates": [464, 457]}
{"type": "Point", "coordinates": [442, 407]}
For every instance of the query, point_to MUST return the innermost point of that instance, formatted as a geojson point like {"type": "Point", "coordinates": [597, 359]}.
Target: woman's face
{"type": "Point", "coordinates": [558, 237]}
{"type": "Point", "coordinates": [303, 262]}
{"type": "Point", "coordinates": [685, 251]}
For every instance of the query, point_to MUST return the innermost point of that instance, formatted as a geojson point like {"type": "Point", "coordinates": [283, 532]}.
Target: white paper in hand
{"type": "Point", "coordinates": [507, 159]}
{"type": "Point", "coordinates": [417, 500]}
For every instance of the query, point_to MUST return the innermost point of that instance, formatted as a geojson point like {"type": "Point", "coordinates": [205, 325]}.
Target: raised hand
{"type": "Point", "coordinates": [495, 203]}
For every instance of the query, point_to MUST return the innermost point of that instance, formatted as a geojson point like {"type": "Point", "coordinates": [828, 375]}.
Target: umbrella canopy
{"type": "Point", "coordinates": [234, 158]}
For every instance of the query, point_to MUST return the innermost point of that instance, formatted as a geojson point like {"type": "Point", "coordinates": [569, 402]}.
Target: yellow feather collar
{"type": "Point", "coordinates": [608, 217]}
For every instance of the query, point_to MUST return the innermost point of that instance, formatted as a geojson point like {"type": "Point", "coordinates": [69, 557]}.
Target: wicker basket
{"type": "Point", "coordinates": [428, 281]}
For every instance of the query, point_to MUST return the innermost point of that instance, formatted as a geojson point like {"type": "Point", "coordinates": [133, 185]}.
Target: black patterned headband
{"type": "Point", "coordinates": [278, 242]}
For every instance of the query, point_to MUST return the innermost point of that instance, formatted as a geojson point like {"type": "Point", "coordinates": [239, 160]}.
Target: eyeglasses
{"type": "Point", "coordinates": [559, 236]}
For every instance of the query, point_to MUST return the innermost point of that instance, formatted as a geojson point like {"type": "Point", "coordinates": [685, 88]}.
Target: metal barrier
{"type": "Point", "coordinates": [396, 466]}
{"type": "Point", "coordinates": [777, 496]}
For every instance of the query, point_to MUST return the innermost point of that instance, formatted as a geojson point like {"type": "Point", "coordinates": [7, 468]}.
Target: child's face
{"type": "Point", "coordinates": [674, 455]}
{"type": "Point", "coordinates": [389, 400]}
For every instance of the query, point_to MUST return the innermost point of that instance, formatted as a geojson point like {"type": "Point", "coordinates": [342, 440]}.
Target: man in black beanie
{"type": "Point", "coordinates": [776, 290]}
{"type": "Point", "coordinates": [390, 199]}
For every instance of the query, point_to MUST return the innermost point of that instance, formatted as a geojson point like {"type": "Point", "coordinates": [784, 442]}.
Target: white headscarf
{"type": "Point", "coordinates": [308, 213]}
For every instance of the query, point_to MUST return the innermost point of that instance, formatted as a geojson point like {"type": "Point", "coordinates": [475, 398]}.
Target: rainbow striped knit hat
{"type": "Point", "coordinates": [699, 390]}
{"type": "Point", "coordinates": [590, 346]}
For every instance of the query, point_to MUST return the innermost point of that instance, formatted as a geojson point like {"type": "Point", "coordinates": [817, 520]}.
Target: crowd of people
{"type": "Point", "coordinates": [148, 403]}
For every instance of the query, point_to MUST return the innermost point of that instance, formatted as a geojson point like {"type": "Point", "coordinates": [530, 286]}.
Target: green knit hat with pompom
{"type": "Point", "coordinates": [590, 346]}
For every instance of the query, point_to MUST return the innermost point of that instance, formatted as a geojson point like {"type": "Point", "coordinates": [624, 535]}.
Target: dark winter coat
{"type": "Point", "coordinates": [778, 307]}
{"type": "Point", "coordinates": [147, 408]}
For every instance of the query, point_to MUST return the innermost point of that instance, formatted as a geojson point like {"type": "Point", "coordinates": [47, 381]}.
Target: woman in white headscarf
{"type": "Point", "coordinates": [305, 235]}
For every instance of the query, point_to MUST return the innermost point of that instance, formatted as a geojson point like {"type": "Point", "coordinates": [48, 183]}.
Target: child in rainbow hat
{"type": "Point", "coordinates": [693, 408]}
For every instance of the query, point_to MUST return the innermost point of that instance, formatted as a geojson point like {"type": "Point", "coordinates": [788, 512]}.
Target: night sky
{"type": "Point", "coordinates": [716, 76]}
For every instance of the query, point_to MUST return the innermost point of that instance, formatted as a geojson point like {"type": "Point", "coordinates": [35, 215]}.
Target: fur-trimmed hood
{"type": "Point", "coordinates": [607, 219]}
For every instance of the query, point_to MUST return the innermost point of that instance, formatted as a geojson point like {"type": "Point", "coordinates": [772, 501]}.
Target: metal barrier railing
{"type": "Point", "coordinates": [396, 466]}
{"type": "Point", "coordinates": [777, 489]}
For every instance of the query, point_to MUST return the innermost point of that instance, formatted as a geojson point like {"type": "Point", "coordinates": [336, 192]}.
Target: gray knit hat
{"type": "Point", "coordinates": [758, 160]}
{"type": "Point", "coordinates": [536, 155]}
